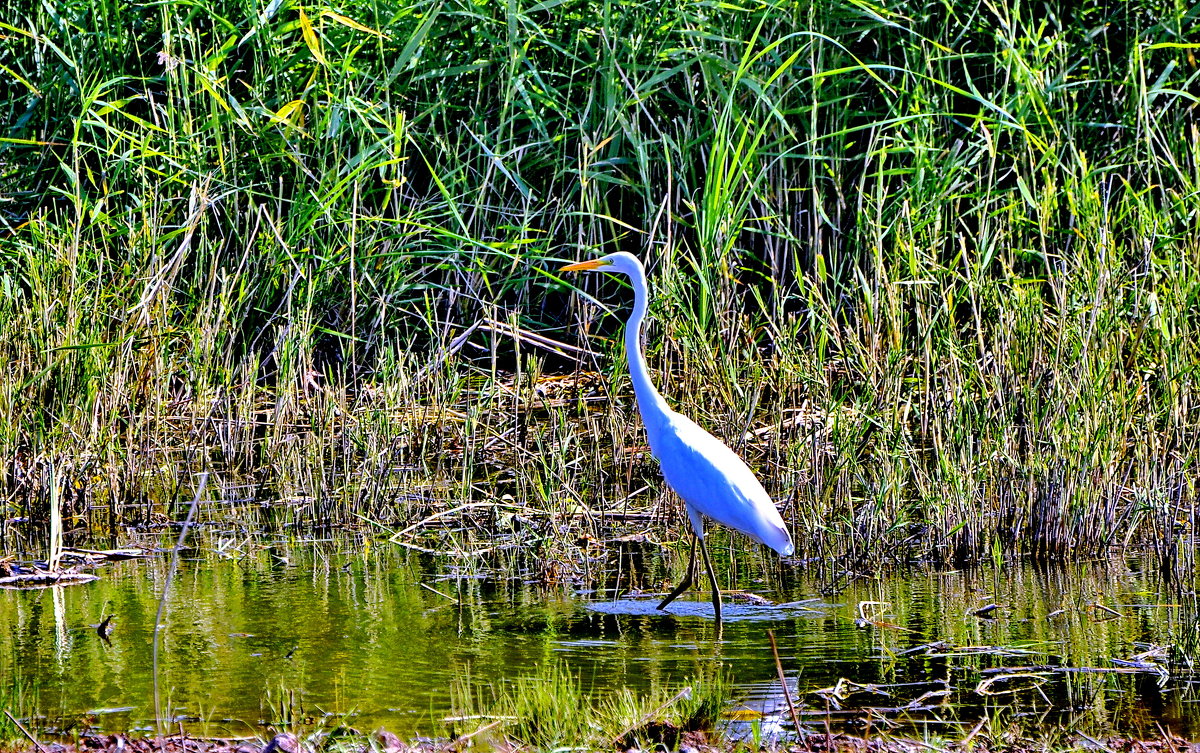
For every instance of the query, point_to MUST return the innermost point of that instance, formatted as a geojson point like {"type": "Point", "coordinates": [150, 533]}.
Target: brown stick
{"type": "Point", "coordinates": [685, 693]}
{"type": "Point", "coordinates": [453, 744]}
{"type": "Point", "coordinates": [787, 695]}
{"type": "Point", "coordinates": [26, 732]}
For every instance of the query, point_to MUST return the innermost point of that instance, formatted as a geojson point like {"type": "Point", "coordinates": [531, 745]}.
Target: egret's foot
{"type": "Point", "coordinates": [684, 585]}
{"type": "Point", "coordinates": [712, 579]}
{"type": "Point", "coordinates": [688, 578]}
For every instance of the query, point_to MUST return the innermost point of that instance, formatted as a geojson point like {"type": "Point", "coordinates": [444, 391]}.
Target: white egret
{"type": "Point", "coordinates": [712, 480]}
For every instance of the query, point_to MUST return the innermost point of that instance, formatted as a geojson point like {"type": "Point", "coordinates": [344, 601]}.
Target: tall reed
{"type": "Point", "coordinates": [932, 267]}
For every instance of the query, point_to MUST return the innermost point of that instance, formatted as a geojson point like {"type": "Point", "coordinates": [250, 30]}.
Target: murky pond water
{"type": "Point", "coordinates": [383, 637]}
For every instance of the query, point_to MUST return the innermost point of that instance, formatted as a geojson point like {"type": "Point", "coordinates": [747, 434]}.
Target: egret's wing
{"type": "Point", "coordinates": [714, 480]}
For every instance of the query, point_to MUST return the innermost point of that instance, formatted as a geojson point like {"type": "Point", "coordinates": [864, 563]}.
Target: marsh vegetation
{"type": "Point", "coordinates": [933, 269]}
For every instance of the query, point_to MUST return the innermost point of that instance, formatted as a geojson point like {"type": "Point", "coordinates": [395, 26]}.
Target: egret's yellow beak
{"type": "Point", "coordinates": [585, 265]}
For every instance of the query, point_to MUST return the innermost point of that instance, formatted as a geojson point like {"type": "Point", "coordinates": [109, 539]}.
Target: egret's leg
{"type": "Point", "coordinates": [712, 578]}
{"type": "Point", "coordinates": [688, 577]}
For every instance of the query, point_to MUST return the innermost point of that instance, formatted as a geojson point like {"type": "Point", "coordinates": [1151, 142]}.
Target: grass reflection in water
{"type": "Point", "coordinates": [309, 634]}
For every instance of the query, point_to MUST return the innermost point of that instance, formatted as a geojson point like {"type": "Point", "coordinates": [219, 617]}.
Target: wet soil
{"type": "Point", "coordinates": [382, 741]}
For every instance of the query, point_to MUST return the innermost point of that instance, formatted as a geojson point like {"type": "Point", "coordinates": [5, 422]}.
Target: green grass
{"type": "Point", "coordinates": [940, 260]}
{"type": "Point", "coordinates": [548, 710]}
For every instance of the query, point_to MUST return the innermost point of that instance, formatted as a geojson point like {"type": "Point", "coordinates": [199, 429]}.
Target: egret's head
{"type": "Point", "coordinates": [622, 261]}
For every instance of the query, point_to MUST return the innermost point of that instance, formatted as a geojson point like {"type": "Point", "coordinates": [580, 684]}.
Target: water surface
{"type": "Point", "coordinates": [376, 637]}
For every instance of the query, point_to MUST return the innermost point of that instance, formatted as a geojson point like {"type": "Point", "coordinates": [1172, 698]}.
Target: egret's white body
{"type": "Point", "coordinates": [710, 478]}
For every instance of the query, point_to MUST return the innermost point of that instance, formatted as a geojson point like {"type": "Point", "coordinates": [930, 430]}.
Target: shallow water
{"type": "Point", "coordinates": [374, 637]}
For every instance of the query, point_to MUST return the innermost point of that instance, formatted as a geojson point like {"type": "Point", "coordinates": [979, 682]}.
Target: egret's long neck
{"type": "Point", "coordinates": [650, 403]}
